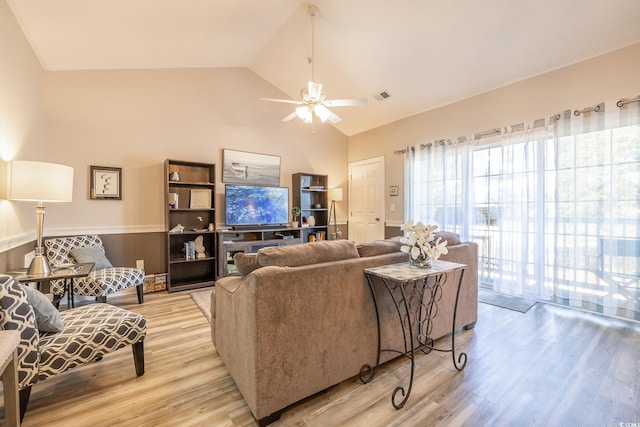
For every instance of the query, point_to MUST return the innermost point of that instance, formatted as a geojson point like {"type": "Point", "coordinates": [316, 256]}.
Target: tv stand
{"type": "Point", "coordinates": [257, 227]}
{"type": "Point", "coordinates": [250, 240]}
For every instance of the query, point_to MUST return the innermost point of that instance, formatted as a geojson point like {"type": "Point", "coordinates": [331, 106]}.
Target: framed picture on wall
{"type": "Point", "coordinates": [105, 183]}
{"type": "Point", "coordinates": [240, 167]}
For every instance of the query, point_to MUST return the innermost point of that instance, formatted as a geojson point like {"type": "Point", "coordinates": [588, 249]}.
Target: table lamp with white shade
{"type": "Point", "coordinates": [335, 195]}
{"type": "Point", "coordinates": [39, 182]}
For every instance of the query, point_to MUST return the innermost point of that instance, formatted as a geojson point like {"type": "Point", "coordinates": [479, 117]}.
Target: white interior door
{"type": "Point", "coordinates": [366, 200]}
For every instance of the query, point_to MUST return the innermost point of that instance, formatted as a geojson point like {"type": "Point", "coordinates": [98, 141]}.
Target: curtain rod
{"type": "Point", "coordinates": [587, 110]}
{"type": "Point", "coordinates": [556, 117]}
{"type": "Point", "coordinates": [623, 102]}
{"type": "Point", "coordinates": [486, 133]}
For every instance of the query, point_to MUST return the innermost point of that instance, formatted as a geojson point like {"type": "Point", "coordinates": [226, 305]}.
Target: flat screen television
{"type": "Point", "coordinates": [252, 205]}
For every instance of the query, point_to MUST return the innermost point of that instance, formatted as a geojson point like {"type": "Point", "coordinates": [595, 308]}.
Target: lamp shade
{"type": "Point", "coordinates": [335, 194]}
{"type": "Point", "coordinates": [39, 181]}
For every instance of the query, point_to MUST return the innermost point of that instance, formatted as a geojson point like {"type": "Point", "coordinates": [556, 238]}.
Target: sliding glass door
{"type": "Point", "coordinates": [554, 207]}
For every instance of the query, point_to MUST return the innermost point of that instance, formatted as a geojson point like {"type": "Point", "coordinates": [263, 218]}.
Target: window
{"type": "Point", "coordinates": [555, 209]}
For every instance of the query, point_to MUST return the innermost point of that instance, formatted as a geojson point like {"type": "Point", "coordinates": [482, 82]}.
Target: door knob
{"type": "Point", "coordinates": [378, 219]}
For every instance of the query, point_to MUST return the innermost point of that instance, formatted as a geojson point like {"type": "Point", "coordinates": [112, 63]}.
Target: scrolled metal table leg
{"type": "Point", "coordinates": [461, 361]}
{"type": "Point", "coordinates": [411, 355]}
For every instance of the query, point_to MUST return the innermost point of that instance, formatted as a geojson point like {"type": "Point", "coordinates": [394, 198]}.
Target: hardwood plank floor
{"type": "Point", "coordinates": [549, 366]}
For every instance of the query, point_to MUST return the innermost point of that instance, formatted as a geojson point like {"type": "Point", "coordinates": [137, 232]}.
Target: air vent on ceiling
{"type": "Point", "coordinates": [382, 95]}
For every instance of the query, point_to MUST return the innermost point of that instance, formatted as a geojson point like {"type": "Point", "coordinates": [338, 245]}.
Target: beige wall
{"type": "Point", "coordinates": [21, 129]}
{"type": "Point", "coordinates": [136, 119]}
{"type": "Point", "coordinates": [605, 78]}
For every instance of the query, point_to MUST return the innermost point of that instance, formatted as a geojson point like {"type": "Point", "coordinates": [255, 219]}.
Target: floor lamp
{"type": "Point", "coordinates": [335, 195]}
{"type": "Point", "coordinates": [39, 182]}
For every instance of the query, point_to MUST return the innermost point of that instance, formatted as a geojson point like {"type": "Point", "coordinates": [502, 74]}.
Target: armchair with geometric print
{"type": "Point", "coordinates": [52, 342]}
{"type": "Point", "coordinates": [105, 279]}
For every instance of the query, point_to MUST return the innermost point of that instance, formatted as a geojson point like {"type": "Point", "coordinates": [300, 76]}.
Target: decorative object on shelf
{"type": "Point", "coordinates": [200, 199]}
{"type": "Point", "coordinates": [312, 238]}
{"type": "Point", "coordinates": [39, 182]}
{"type": "Point", "coordinates": [311, 220]}
{"type": "Point", "coordinates": [173, 200]}
{"type": "Point", "coordinates": [317, 206]}
{"type": "Point", "coordinates": [190, 250]}
{"type": "Point", "coordinates": [105, 183]}
{"type": "Point", "coordinates": [295, 212]}
{"type": "Point", "coordinates": [174, 176]}
{"type": "Point", "coordinates": [239, 167]}
{"type": "Point", "coordinates": [199, 247]}
{"type": "Point", "coordinates": [177, 229]}
{"type": "Point", "coordinates": [212, 227]}
{"type": "Point", "coordinates": [335, 195]}
{"type": "Point", "coordinates": [421, 244]}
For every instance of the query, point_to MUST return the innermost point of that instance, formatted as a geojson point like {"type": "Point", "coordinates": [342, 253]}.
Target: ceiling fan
{"type": "Point", "coordinates": [314, 102]}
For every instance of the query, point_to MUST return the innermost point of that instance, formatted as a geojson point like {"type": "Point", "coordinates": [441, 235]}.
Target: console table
{"type": "Point", "coordinates": [415, 293]}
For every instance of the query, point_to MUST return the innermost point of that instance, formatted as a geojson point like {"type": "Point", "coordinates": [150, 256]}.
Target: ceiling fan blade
{"type": "Point", "coordinates": [286, 101]}
{"type": "Point", "coordinates": [345, 102]}
{"type": "Point", "coordinates": [290, 117]}
{"type": "Point", "coordinates": [331, 116]}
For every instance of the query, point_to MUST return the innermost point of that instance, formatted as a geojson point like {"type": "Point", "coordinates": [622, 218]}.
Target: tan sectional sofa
{"type": "Point", "coordinates": [302, 319]}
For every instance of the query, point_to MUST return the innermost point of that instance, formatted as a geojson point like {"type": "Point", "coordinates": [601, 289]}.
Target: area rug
{"type": "Point", "coordinates": [203, 301]}
{"type": "Point", "coordinates": [510, 302]}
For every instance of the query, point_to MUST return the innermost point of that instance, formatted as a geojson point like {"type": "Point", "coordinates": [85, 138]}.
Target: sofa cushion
{"type": "Point", "coordinates": [245, 263]}
{"type": "Point", "coordinates": [306, 254]}
{"type": "Point", "coordinates": [379, 247]}
{"type": "Point", "coordinates": [449, 236]}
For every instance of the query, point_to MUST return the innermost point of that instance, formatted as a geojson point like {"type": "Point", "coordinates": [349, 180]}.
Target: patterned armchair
{"type": "Point", "coordinates": [101, 281]}
{"type": "Point", "coordinates": [88, 333]}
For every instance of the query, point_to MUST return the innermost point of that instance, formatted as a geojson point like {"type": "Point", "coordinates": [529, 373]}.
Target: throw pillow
{"type": "Point", "coordinates": [246, 263]}
{"type": "Point", "coordinates": [91, 254]}
{"type": "Point", "coordinates": [47, 316]}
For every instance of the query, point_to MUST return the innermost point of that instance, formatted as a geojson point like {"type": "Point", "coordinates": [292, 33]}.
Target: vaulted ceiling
{"type": "Point", "coordinates": [424, 53]}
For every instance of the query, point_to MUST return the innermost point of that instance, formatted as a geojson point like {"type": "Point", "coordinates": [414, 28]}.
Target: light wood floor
{"type": "Point", "coordinates": [551, 367]}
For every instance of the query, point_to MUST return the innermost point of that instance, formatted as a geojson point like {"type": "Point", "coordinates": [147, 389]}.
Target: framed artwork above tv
{"type": "Point", "coordinates": [240, 167]}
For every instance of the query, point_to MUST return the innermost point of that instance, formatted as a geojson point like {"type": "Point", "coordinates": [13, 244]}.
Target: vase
{"type": "Point", "coordinates": [420, 261]}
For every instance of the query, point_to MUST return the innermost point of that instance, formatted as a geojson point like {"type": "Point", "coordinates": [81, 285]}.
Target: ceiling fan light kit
{"type": "Point", "coordinates": [314, 102]}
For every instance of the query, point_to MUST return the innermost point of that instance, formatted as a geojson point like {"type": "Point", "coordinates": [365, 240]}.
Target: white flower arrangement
{"type": "Point", "coordinates": [420, 242]}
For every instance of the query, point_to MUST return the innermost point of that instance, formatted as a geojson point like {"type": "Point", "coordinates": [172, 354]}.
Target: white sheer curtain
{"type": "Point", "coordinates": [437, 181]}
{"type": "Point", "coordinates": [593, 171]}
{"type": "Point", "coordinates": [554, 207]}
{"type": "Point", "coordinates": [509, 221]}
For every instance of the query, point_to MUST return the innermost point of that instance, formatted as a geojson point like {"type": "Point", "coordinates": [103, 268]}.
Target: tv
{"type": "Point", "coordinates": [253, 205]}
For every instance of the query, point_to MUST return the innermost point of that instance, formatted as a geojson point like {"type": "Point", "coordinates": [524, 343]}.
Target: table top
{"type": "Point", "coordinates": [403, 271]}
{"type": "Point", "coordinates": [66, 271]}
